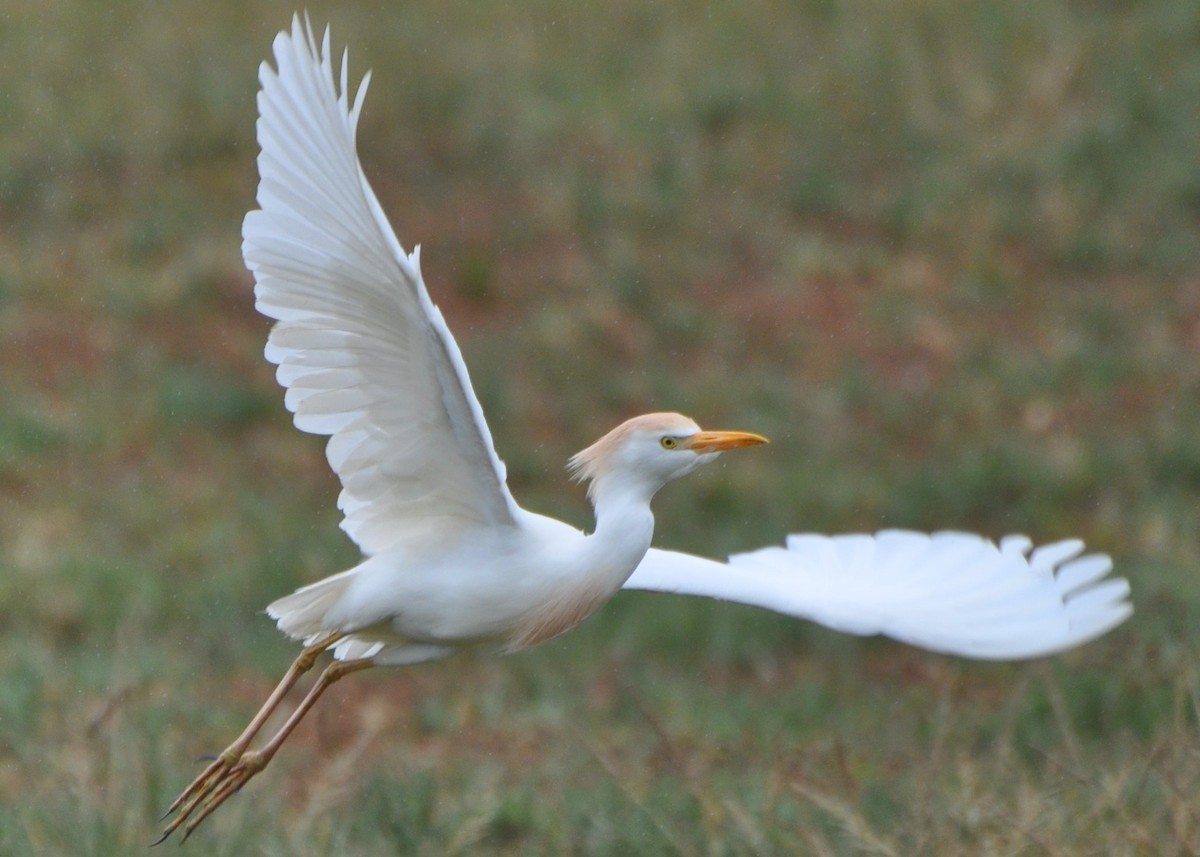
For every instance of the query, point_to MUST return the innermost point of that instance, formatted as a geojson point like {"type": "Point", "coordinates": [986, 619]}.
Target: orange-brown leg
{"type": "Point", "coordinates": [255, 760]}
{"type": "Point", "coordinates": [219, 768]}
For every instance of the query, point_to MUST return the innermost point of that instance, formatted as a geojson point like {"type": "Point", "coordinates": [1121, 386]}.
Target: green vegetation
{"type": "Point", "coordinates": [943, 253]}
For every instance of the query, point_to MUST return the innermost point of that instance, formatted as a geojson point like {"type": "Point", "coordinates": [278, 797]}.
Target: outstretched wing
{"type": "Point", "coordinates": [949, 592]}
{"type": "Point", "coordinates": [365, 355]}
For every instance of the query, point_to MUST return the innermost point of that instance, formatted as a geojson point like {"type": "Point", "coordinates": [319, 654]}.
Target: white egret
{"type": "Point", "coordinates": [450, 559]}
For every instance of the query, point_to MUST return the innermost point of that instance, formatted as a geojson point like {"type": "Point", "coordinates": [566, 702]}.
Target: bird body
{"type": "Point", "coordinates": [450, 559]}
{"type": "Point", "coordinates": [514, 584]}
{"type": "Point", "coordinates": [474, 590]}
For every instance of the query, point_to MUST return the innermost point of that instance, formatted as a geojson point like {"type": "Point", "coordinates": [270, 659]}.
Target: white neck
{"type": "Point", "coordinates": [624, 528]}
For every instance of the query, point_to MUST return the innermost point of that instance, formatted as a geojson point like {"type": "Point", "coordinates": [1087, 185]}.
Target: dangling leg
{"type": "Point", "coordinates": [255, 760]}
{"type": "Point", "coordinates": [206, 782]}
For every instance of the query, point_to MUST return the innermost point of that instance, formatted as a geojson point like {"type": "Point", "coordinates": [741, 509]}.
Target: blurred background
{"type": "Point", "coordinates": [943, 253]}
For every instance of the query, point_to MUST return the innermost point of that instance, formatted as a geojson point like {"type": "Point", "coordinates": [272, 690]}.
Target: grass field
{"type": "Point", "coordinates": [943, 253]}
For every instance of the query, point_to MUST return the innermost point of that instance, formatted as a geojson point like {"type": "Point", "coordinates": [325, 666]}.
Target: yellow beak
{"type": "Point", "coordinates": [720, 441]}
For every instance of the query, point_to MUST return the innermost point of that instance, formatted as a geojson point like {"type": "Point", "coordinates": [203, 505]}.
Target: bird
{"type": "Point", "coordinates": [450, 561]}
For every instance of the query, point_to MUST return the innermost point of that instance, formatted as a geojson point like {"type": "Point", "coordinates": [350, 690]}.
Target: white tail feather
{"type": "Point", "coordinates": [301, 615]}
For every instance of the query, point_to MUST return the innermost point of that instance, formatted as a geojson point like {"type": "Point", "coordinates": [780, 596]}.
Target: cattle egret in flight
{"type": "Point", "coordinates": [450, 559]}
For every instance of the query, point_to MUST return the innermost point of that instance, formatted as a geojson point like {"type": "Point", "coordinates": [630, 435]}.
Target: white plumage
{"type": "Point", "coordinates": [948, 592]}
{"type": "Point", "coordinates": [450, 559]}
{"type": "Point", "coordinates": [364, 354]}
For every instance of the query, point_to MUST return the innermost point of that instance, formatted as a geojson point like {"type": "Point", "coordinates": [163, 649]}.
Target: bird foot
{"type": "Point", "coordinates": [222, 779]}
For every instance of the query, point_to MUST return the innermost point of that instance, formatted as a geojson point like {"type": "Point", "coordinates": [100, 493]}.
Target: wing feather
{"type": "Point", "coordinates": [949, 592]}
{"type": "Point", "coordinates": [364, 354]}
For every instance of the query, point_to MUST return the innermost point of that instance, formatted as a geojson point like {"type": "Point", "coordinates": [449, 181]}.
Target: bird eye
{"type": "Point", "coordinates": [668, 442]}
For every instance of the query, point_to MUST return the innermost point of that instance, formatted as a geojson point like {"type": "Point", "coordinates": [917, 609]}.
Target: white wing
{"type": "Point", "coordinates": [364, 354]}
{"type": "Point", "coordinates": [948, 592]}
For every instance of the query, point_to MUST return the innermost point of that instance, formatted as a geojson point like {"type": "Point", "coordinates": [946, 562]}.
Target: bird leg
{"type": "Point", "coordinates": [220, 767]}
{"type": "Point", "coordinates": [232, 780]}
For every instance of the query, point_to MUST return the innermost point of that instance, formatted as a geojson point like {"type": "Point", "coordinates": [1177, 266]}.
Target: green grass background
{"type": "Point", "coordinates": [944, 253]}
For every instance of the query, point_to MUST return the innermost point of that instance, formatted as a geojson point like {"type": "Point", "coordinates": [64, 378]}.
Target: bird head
{"type": "Point", "coordinates": [646, 452]}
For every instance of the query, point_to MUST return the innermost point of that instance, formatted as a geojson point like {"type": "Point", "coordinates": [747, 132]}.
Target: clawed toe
{"type": "Point", "coordinates": [220, 780]}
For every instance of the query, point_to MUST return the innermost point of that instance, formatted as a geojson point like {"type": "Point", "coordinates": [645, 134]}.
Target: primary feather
{"type": "Point", "coordinates": [949, 592]}
{"type": "Point", "coordinates": [365, 355]}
